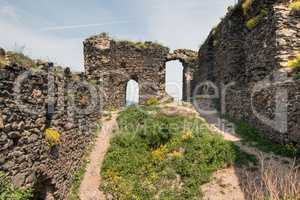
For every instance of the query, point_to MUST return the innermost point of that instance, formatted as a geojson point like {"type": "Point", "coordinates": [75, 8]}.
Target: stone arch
{"type": "Point", "coordinates": [114, 63]}
{"type": "Point", "coordinates": [188, 59]}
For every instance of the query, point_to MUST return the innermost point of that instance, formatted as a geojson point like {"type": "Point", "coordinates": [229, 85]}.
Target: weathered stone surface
{"type": "Point", "coordinates": [23, 149]}
{"type": "Point", "coordinates": [233, 54]}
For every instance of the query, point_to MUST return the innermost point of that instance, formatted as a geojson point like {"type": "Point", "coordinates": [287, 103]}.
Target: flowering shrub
{"type": "Point", "coordinates": [295, 6]}
{"type": "Point", "coordinates": [152, 101]}
{"type": "Point", "coordinates": [187, 136]}
{"type": "Point", "coordinates": [52, 137]}
{"type": "Point", "coordinates": [295, 63]}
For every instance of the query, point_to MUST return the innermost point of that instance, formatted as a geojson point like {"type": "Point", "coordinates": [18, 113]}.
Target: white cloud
{"type": "Point", "coordinates": [41, 46]}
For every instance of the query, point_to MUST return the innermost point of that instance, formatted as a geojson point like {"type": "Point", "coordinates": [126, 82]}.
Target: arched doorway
{"type": "Point", "coordinates": [132, 93]}
{"type": "Point", "coordinates": [174, 79]}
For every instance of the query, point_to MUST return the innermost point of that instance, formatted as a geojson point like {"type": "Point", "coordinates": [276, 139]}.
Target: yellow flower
{"type": "Point", "coordinates": [187, 136]}
{"type": "Point", "coordinates": [159, 154]}
{"type": "Point", "coordinates": [176, 154]}
{"type": "Point", "coordinates": [52, 137]}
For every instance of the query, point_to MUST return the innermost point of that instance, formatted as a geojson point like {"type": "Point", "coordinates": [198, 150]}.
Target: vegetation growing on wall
{"type": "Point", "coordinates": [52, 137]}
{"type": "Point", "coordinates": [254, 21]}
{"type": "Point", "coordinates": [141, 45]}
{"type": "Point", "coordinates": [9, 192]}
{"type": "Point", "coordinates": [295, 63]}
{"type": "Point", "coordinates": [20, 59]}
{"type": "Point", "coordinates": [155, 156]}
{"type": "Point", "coordinates": [246, 6]}
{"type": "Point", "coordinates": [295, 6]}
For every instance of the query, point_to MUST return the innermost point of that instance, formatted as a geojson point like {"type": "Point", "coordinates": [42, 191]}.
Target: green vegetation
{"type": "Point", "coordinates": [155, 156]}
{"type": "Point", "coordinates": [141, 45]}
{"type": "Point", "coordinates": [152, 101]}
{"type": "Point", "coordinates": [8, 192]}
{"type": "Point", "coordinates": [246, 6]}
{"type": "Point", "coordinates": [255, 138]}
{"type": "Point", "coordinates": [74, 192]}
{"type": "Point", "coordinates": [254, 21]}
{"type": "Point", "coordinates": [21, 59]}
{"type": "Point", "coordinates": [295, 63]}
{"type": "Point", "coordinates": [52, 137]}
{"type": "Point", "coordinates": [296, 76]}
{"type": "Point", "coordinates": [78, 176]}
{"type": "Point", "coordinates": [295, 6]}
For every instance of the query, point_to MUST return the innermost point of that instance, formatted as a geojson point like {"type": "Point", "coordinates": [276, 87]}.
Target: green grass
{"type": "Point", "coordinates": [255, 138]}
{"type": "Point", "coordinates": [9, 192]}
{"type": "Point", "coordinates": [296, 76]}
{"type": "Point", "coordinates": [21, 59]}
{"type": "Point", "coordinates": [154, 155]}
{"type": "Point", "coordinates": [74, 192]}
{"type": "Point", "coordinates": [78, 176]}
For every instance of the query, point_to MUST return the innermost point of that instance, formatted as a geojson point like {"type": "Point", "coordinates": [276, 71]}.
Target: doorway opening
{"type": "Point", "coordinates": [174, 79]}
{"type": "Point", "coordinates": [132, 93]}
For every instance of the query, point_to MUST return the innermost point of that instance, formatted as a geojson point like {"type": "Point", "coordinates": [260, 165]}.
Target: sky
{"type": "Point", "coordinates": [54, 30]}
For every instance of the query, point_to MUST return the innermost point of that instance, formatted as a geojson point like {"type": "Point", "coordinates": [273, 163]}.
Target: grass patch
{"type": "Point", "coordinates": [164, 157]}
{"type": "Point", "coordinates": [74, 192]}
{"type": "Point", "coordinates": [9, 192]}
{"type": "Point", "coordinates": [296, 76]}
{"type": "Point", "coordinates": [255, 138]}
{"type": "Point", "coordinates": [78, 176]}
{"type": "Point", "coordinates": [21, 59]}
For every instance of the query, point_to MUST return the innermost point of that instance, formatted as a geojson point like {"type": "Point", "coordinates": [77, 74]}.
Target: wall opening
{"type": "Point", "coordinates": [132, 93]}
{"type": "Point", "coordinates": [174, 79]}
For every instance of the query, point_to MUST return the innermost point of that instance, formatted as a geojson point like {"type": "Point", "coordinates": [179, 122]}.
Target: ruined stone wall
{"type": "Point", "coordinates": [233, 53]}
{"type": "Point", "coordinates": [24, 154]}
{"type": "Point", "coordinates": [112, 64]}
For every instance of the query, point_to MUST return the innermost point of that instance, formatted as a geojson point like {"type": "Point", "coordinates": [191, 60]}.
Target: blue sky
{"type": "Point", "coordinates": [55, 29]}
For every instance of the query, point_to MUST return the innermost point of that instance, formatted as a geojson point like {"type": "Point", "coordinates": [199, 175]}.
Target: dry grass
{"type": "Point", "coordinates": [273, 181]}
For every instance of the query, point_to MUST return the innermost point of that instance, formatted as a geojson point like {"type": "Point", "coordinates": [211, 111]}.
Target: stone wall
{"type": "Point", "coordinates": [49, 97]}
{"type": "Point", "coordinates": [113, 63]}
{"type": "Point", "coordinates": [249, 58]}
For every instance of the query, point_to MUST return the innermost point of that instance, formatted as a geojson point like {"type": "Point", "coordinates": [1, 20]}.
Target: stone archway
{"type": "Point", "coordinates": [188, 59]}
{"type": "Point", "coordinates": [113, 63]}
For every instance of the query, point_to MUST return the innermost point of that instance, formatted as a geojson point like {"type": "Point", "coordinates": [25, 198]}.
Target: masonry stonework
{"type": "Point", "coordinates": [255, 62]}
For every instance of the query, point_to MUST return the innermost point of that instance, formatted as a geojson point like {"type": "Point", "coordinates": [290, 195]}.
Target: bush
{"type": "Point", "coordinates": [252, 22]}
{"type": "Point", "coordinates": [296, 76]}
{"type": "Point", "coordinates": [21, 59]}
{"type": "Point", "coordinates": [8, 192]}
{"type": "Point", "coordinates": [152, 101]}
{"type": "Point", "coordinates": [169, 157]}
{"type": "Point", "coordinates": [52, 137]}
{"type": "Point", "coordinates": [295, 6]}
{"type": "Point", "coordinates": [295, 63]}
{"type": "Point", "coordinates": [254, 137]}
{"type": "Point", "coordinates": [246, 6]}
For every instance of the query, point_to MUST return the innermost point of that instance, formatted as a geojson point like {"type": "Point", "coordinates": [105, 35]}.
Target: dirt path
{"type": "Point", "coordinates": [89, 188]}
